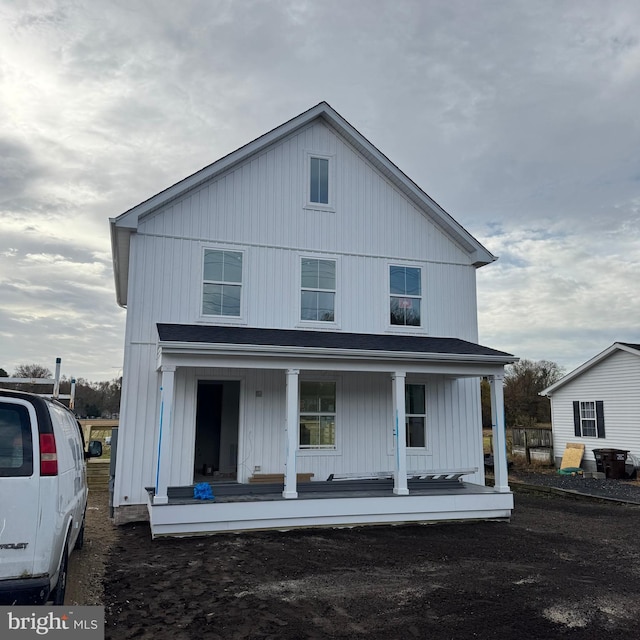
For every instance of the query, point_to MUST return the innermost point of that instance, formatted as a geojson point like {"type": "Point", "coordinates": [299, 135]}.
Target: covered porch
{"type": "Point", "coordinates": [241, 507]}
{"type": "Point", "coordinates": [406, 494]}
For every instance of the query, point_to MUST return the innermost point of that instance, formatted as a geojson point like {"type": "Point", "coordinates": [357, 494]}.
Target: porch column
{"type": "Point", "coordinates": [165, 433]}
{"type": "Point", "coordinates": [400, 487]}
{"type": "Point", "coordinates": [291, 435]}
{"type": "Point", "coordinates": [500, 466]}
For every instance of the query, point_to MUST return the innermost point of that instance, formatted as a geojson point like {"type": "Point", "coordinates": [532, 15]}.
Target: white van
{"type": "Point", "coordinates": [43, 496]}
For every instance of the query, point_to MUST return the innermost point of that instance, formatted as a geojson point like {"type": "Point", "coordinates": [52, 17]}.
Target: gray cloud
{"type": "Point", "coordinates": [519, 118]}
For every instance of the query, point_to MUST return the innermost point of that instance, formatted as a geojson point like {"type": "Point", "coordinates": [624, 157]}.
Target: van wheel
{"type": "Point", "coordinates": [61, 587]}
{"type": "Point", "coordinates": [80, 539]}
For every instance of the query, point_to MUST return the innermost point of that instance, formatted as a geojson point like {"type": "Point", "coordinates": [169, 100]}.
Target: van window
{"type": "Point", "coordinates": [16, 446]}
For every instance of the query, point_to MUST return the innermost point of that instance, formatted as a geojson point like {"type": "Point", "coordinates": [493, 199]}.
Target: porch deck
{"type": "Point", "coordinates": [244, 507]}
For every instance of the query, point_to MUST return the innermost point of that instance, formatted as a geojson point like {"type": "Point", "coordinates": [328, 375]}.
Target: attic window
{"type": "Point", "coordinates": [319, 180]}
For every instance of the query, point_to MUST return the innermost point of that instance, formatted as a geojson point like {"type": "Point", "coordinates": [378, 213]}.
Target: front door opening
{"type": "Point", "coordinates": [217, 418]}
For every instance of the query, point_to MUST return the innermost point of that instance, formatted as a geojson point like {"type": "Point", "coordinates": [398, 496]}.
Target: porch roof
{"type": "Point", "coordinates": [293, 344]}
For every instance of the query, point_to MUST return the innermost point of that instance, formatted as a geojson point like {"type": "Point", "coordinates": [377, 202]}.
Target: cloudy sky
{"type": "Point", "coordinates": [521, 118]}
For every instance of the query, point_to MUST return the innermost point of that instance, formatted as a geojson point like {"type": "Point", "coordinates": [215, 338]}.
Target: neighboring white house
{"type": "Point", "coordinates": [598, 404]}
{"type": "Point", "coordinates": [287, 306]}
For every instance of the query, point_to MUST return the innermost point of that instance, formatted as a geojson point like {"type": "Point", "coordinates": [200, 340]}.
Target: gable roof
{"type": "Point", "coordinates": [125, 224]}
{"type": "Point", "coordinates": [629, 347]}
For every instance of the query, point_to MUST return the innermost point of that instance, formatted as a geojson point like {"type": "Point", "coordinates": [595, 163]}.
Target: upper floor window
{"type": "Point", "coordinates": [319, 180]}
{"type": "Point", "coordinates": [222, 286]}
{"type": "Point", "coordinates": [318, 295]}
{"type": "Point", "coordinates": [416, 415]}
{"type": "Point", "coordinates": [317, 415]}
{"type": "Point", "coordinates": [406, 295]}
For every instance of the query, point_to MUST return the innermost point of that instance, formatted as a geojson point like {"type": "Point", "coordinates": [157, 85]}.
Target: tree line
{"type": "Point", "coordinates": [523, 382]}
{"type": "Point", "coordinates": [92, 399]}
{"type": "Point", "coordinates": [523, 404]}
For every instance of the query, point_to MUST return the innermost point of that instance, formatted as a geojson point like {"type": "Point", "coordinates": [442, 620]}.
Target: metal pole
{"type": "Point", "coordinates": [56, 383]}
{"type": "Point", "coordinates": [72, 393]}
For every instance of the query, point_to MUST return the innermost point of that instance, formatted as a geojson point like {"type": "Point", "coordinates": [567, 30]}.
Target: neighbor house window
{"type": "Point", "coordinates": [222, 283]}
{"type": "Point", "coordinates": [406, 295]}
{"type": "Point", "coordinates": [588, 418]}
{"type": "Point", "coordinates": [317, 415]}
{"type": "Point", "coordinates": [416, 415]}
{"type": "Point", "coordinates": [319, 180]}
{"type": "Point", "coordinates": [318, 295]}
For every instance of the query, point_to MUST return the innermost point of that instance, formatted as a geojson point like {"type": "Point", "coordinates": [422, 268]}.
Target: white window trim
{"type": "Point", "coordinates": [423, 452]}
{"type": "Point", "coordinates": [300, 452]}
{"type": "Point", "coordinates": [219, 319]}
{"type": "Point", "coordinates": [319, 206]}
{"type": "Point", "coordinates": [418, 415]}
{"type": "Point", "coordinates": [421, 328]}
{"type": "Point", "coordinates": [319, 324]}
{"type": "Point", "coordinates": [595, 419]}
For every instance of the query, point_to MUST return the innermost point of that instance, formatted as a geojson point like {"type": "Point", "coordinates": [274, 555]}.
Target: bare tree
{"type": "Point", "coordinates": [32, 371]}
{"type": "Point", "coordinates": [523, 382]}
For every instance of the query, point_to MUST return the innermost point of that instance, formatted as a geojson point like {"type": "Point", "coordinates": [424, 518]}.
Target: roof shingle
{"type": "Point", "coordinates": [210, 334]}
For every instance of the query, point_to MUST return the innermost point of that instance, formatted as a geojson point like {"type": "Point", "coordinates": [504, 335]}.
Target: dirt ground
{"type": "Point", "coordinates": [562, 568]}
{"type": "Point", "coordinates": [87, 565]}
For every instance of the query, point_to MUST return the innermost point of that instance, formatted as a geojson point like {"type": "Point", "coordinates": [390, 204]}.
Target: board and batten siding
{"type": "Point", "coordinates": [262, 201]}
{"type": "Point", "coordinates": [616, 381]}
{"type": "Point", "coordinates": [364, 426]}
{"type": "Point", "coordinates": [171, 290]}
{"type": "Point", "coordinates": [259, 207]}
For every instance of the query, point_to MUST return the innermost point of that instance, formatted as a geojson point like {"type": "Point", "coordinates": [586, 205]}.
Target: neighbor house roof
{"type": "Point", "coordinates": [616, 346]}
{"type": "Point", "coordinates": [125, 224]}
{"type": "Point", "coordinates": [347, 343]}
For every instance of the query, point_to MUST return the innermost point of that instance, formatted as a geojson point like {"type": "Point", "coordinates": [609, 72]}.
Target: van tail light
{"type": "Point", "coordinates": [48, 455]}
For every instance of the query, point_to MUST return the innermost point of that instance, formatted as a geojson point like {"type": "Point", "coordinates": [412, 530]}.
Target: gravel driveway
{"type": "Point", "coordinates": [628, 491]}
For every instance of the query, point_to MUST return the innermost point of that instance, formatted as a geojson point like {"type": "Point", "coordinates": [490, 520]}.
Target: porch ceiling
{"type": "Point", "coordinates": [248, 347]}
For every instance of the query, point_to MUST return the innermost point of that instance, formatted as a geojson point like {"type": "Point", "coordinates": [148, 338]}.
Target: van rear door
{"type": "Point", "coordinates": [19, 487]}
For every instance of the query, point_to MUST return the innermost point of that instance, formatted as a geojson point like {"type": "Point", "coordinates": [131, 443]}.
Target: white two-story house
{"type": "Point", "coordinates": [301, 312]}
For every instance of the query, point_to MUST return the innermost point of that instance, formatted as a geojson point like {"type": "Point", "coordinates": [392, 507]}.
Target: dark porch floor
{"type": "Point", "coordinates": [378, 488]}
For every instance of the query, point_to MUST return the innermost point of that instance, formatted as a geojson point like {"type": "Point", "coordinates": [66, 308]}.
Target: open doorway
{"type": "Point", "coordinates": [217, 418]}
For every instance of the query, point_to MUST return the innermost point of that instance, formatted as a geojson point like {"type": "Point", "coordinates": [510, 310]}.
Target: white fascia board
{"type": "Point", "coordinates": [120, 243]}
{"type": "Point", "coordinates": [205, 348]}
{"type": "Point", "coordinates": [585, 367]}
{"type": "Point", "coordinates": [477, 252]}
{"type": "Point", "coordinates": [130, 218]}
{"type": "Point", "coordinates": [452, 370]}
{"type": "Point", "coordinates": [627, 348]}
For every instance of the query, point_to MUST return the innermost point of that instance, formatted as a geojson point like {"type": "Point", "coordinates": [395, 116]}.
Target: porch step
{"type": "Point", "coordinates": [273, 478]}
